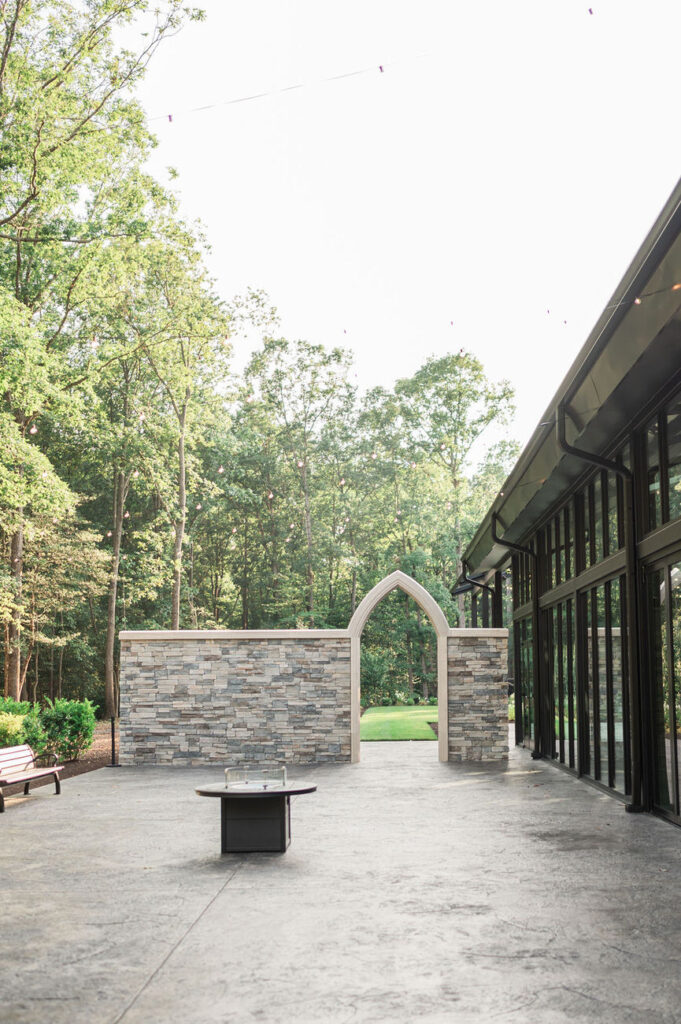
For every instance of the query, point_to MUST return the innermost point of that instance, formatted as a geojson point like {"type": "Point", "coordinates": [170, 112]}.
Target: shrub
{"type": "Point", "coordinates": [386, 702]}
{"type": "Point", "coordinates": [417, 698]}
{"type": "Point", "coordinates": [410, 702]}
{"type": "Point", "coordinates": [34, 733]}
{"type": "Point", "coordinates": [11, 729]}
{"type": "Point", "coordinates": [432, 701]}
{"type": "Point", "coordinates": [14, 707]}
{"type": "Point", "coordinates": [69, 725]}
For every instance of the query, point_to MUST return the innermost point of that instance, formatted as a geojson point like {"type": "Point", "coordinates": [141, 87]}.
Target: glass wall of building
{"type": "Point", "coordinates": [573, 671]}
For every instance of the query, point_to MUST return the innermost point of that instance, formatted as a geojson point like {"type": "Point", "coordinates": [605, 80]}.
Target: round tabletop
{"type": "Point", "coordinates": [218, 789]}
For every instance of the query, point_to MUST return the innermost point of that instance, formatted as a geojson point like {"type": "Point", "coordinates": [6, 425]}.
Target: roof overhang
{"type": "Point", "coordinates": [630, 355]}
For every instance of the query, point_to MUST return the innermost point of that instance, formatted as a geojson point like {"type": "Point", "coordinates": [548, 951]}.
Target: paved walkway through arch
{"type": "Point", "coordinates": [412, 891]}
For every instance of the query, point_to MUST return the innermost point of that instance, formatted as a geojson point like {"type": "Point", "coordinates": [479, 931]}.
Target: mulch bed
{"type": "Point", "coordinates": [97, 756]}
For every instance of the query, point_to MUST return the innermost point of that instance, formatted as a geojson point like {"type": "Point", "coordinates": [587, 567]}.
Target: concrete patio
{"type": "Point", "coordinates": [412, 891]}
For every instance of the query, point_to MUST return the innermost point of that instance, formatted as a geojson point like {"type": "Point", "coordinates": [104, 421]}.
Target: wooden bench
{"type": "Point", "coordinates": [17, 764]}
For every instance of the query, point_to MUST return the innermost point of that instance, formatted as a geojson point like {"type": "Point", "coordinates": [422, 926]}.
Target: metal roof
{"type": "Point", "coordinates": [630, 354]}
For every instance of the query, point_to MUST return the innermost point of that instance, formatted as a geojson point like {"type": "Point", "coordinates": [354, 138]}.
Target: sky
{"type": "Point", "coordinates": [486, 190]}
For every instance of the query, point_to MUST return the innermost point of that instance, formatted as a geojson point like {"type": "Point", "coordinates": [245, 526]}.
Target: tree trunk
{"type": "Point", "coordinates": [410, 654]}
{"type": "Point", "coordinates": [193, 614]}
{"type": "Point", "coordinates": [308, 539]}
{"type": "Point", "coordinates": [353, 592]}
{"type": "Point", "coordinates": [34, 698]}
{"type": "Point", "coordinates": [120, 492]}
{"type": "Point", "coordinates": [13, 678]}
{"type": "Point", "coordinates": [179, 524]}
{"type": "Point", "coordinates": [61, 659]}
{"type": "Point", "coordinates": [6, 665]}
{"type": "Point", "coordinates": [424, 670]}
{"type": "Point", "coordinates": [244, 581]}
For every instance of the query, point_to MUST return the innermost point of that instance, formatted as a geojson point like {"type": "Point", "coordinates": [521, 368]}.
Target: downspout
{"type": "Point", "coordinates": [635, 804]}
{"type": "Point", "coordinates": [469, 579]}
{"type": "Point", "coordinates": [536, 620]}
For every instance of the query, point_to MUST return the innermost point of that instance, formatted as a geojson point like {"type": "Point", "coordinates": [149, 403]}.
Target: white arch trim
{"type": "Point", "coordinates": [409, 585]}
{"type": "Point", "coordinates": [357, 624]}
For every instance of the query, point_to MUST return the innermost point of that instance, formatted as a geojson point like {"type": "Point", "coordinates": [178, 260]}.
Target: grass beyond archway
{"type": "Point", "coordinates": [398, 723]}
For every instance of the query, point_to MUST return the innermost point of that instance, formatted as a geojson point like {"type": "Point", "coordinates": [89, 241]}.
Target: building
{"type": "Point", "coordinates": [590, 522]}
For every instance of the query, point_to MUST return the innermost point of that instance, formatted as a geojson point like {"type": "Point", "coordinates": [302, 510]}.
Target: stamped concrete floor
{"type": "Point", "coordinates": [412, 891]}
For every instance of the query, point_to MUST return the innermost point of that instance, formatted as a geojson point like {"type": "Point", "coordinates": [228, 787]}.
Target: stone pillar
{"type": "Point", "coordinates": [477, 702]}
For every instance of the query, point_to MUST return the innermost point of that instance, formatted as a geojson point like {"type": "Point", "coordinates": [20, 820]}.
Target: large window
{"type": "Point", "coordinates": [663, 465]}
{"type": "Point", "coordinates": [664, 615]}
{"type": "Point", "coordinates": [560, 622]}
{"type": "Point", "coordinates": [604, 748]}
{"type": "Point", "coordinates": [524, 689]}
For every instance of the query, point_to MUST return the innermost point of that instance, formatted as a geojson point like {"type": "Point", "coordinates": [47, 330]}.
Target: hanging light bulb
{"type": "Point", "coordinates": [342, 481]}
{"type": "Point", "coordinates": [126, 515]}
{"type": "Point", "coordinates": [109, 534]}
{"type": "Point", "coordinates": [300, 463]}
{"type": "Point", "coordinates": [270, 495]}
{"type": "Point", "coordinates": [136, 473]}
{"type": "Point", "coordinates": [234, 529]}
{"type": "Point", "coordinates": [221, 469]}
{"type": "Point", "coordinates": [33, 429]}
{"type": "Point", "coordinates": [198, 506]}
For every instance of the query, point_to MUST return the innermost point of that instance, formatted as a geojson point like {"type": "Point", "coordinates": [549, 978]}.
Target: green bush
{"type": "Point", "coordinates": [11, 729]}
{"type": "Point", "coordinates": [386, 701]}
{"type": "Point", "coordinates": [69, 725]}
{"type": "Point", "coordinates": [432, 701]}
{"type": "Point", "coordinates": [410, 702]}
{"type": "Point", "coordinates": [14, 707]}
{"type": "Point", "coordinates": [34, 733]}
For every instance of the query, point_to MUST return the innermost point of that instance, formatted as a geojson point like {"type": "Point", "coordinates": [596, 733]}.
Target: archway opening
{"type": "Point", "coordinates": [438, 620]}
{"type": "Point", "coordinates": [398, 673]}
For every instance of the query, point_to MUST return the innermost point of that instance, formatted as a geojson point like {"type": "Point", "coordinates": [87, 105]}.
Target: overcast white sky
{"type": "Point", "coordinates": [509, 160]}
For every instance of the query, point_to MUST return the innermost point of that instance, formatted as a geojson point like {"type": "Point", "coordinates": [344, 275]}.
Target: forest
{"type": "Point", "coordinates": [144, 484]}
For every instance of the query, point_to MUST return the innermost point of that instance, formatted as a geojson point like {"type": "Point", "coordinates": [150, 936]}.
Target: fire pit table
{"type": "Point", "coordinates": [255, 810]}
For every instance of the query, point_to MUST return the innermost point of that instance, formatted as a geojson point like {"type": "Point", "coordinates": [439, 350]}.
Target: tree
{"type": "Point", "coordinates": [447, 406]}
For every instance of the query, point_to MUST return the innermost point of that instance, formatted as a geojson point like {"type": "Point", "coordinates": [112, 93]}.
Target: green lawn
{"type": "Point", "coordinates": [398, 723]}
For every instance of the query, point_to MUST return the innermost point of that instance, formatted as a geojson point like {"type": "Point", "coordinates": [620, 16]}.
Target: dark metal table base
{"type": "Point", "coordinates": [255, 825]}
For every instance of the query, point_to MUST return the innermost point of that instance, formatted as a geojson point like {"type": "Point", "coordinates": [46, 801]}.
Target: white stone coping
{"type": "Point", "coordinates": [234, 634]}
{"type": "Point", "coordinates": [274, 634]}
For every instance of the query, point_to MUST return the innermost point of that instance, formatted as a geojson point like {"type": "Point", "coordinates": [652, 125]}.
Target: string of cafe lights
{"type": "Point", "coordinates": [371, 69]}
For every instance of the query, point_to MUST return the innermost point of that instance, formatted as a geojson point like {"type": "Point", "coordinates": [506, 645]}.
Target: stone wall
{"type": "Point", "coordinates": [234, 701]}
{"type": "Point", "coordinates": [477, 695]}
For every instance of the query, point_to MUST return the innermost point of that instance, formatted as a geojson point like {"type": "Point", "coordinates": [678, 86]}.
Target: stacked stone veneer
{"type": "Point", "coordinates": [477, 695]}
{"type": "Point", "coordinates": [238, 698]}
{"type": "Point", "coordinates": [238, 701]}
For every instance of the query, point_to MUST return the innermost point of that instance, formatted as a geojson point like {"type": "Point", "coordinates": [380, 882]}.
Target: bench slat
{"type": "Point", "coordinates": [33, 773]}
{"type": "Point", "coordinates": [16, 759]}
{"type": "Point", "coordinates": [22, 748]}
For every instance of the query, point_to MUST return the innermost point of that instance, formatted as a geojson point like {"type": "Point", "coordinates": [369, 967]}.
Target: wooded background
{"type": "Point", "coordinates": [142, 483]}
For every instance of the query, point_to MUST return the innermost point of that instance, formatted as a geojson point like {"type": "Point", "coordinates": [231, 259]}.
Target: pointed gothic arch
{"type": "Point", "coordinates": [356, 625]}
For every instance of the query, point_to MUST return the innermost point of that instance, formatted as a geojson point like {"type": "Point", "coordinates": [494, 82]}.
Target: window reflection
{"type": "Point", "coordinates": [653, 475]}
{"type": "Point", "coordinates": [674, 458]}
{"type": "Point", "coordinates": [657, 605]}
